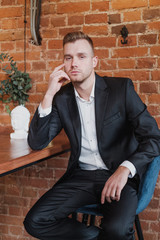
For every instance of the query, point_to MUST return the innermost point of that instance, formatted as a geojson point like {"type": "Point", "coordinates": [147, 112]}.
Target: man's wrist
{"type": "Point", "coordinates": [131, 167]}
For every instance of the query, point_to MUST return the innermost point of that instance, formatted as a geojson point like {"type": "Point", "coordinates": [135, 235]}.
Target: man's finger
{"type": "Point", "coordinates": [59, 67]}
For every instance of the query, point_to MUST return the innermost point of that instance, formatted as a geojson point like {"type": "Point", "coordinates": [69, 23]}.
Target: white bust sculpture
{"type": "Point", "coordinates": [20, 117]}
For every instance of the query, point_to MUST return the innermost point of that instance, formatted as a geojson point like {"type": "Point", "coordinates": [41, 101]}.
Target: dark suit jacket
{"type": "Point", "coordinates": [125, 129]}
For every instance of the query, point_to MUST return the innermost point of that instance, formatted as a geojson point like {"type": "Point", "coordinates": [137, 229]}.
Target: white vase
{"type": "Point", "coordinates": [20, 117]}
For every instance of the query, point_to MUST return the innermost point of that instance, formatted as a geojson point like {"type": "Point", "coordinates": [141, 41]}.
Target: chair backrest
{"type": "Point", "coordinates": [147, 185]}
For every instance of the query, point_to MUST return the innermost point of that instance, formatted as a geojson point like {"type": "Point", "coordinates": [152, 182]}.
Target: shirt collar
{"type": "Point", "coordinates": [91, 96]}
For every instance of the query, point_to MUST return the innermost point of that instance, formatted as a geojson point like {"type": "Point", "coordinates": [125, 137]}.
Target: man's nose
{"type": "Point", "coordinates": [74, 62]}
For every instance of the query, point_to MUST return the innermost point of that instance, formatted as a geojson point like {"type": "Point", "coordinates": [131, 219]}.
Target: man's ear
{"type": "Point", "coordinates": [95, 61]}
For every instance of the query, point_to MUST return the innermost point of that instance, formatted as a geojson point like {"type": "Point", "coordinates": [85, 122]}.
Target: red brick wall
{"type": "Point", "coordinates": [139, 60]}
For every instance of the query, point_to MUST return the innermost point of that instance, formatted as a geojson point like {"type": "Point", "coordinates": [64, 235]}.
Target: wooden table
{"type": "Point", "coordinates": [16, 154]}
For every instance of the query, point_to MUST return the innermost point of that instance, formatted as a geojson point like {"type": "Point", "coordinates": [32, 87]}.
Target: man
{"type": "Point", "coordinates": [112, 137]}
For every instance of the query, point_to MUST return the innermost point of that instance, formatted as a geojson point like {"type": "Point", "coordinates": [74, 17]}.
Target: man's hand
{"type": "Point", "coordinates": [56, 79]}
{"type": "Point", "coordinates": [114, 185]}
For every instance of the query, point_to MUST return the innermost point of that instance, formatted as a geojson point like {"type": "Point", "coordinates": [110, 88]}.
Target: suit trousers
{"type": "Point", "coordinates": [49, 218]}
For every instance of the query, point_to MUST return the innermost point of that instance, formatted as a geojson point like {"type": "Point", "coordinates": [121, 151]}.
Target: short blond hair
{"type": "Point", "coordinates": [74, 36]}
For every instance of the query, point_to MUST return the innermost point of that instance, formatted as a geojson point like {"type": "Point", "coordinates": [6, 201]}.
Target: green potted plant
{"type": "Point", "coordinates": [14, 89]}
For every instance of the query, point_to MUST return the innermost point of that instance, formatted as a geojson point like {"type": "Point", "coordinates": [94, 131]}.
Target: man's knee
{"type": "Point", "coordinates": [31, 228]}
{"type": "Point", "coordinates": [116, 232]}
{"type": "Point", "coordinates": [35, 225]}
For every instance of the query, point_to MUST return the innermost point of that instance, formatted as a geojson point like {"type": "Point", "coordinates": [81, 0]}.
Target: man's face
{"type": "Point", "coordinates": [79, 60]}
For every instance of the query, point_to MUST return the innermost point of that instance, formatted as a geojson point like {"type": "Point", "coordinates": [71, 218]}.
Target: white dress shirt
{"type": "Point", "coordinates": [90, 158]}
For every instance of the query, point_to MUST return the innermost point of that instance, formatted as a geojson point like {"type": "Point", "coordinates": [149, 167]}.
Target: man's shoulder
{"type": "Point", "coordinates": [113, 82]}
{"type": "Point", "coordinates": [116, 80]}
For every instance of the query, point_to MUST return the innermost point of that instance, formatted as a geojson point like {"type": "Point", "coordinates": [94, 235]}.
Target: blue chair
{"type": "Point", "coordinates": [145, 194]}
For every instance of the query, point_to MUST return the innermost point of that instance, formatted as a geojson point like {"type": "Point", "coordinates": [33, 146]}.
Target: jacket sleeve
{"type": "Point", "coordinates": [145, 129]}
{"type": "Point", "coordinates": [43, 129]}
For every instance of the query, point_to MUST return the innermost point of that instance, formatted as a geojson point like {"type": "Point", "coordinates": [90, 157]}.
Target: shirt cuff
{"type": "Point", "coordinates": [131, 167]}
{"type": "Point", "coordinates": [44, 112]}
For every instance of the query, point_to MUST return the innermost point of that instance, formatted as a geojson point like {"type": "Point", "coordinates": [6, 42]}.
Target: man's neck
{"type": "Point", "coordinates": [84, 89]}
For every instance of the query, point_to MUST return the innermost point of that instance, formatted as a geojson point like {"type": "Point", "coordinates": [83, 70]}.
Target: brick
{"type": "Point", "coordinates": [141, 75]}
{"type": "Point", "coordinates": [155, 51]}
{"type": "Point", "coordinates": [47, 33]}
{"type": "Point", "coordinates": [12, 190]}
{"type": "Point", "coordinates": [155, 75]}
{"type": "Point", "coordinates": [148, 88]}
{"type": "Point", "coordinates": [6, 46]}
{"type": "Point", "coordinates": [146, 63]}
{"type": "Point", "coordinates": [131, 16]}
{"type": "Point", "coordinates": [76, 20]}
{"type": "Point", "coordinates": [102, 53]}
{"type": "Point", "coordinates": [10, 220]}
{"type": "Point", "coordinates": [54, 54]}
{"type": "Point", "coordinates": [5, 119]}
{"type": "Point", "coordinates": [15, 211]}
{"type": "Point", "coordinates": [45, 21]}
{"type": "Point", "coordinates": [147, 39]}
{"type": "Point", "coordinates": [18, 56]}
{"type": "Point", "coordinates": [126, 63]}
{"type": "Point", "coordinates": [35, 98]}
{"type": "Point", "coordinates": [105, 42]}
{"type": "Point", "coordinates": [46, 173]}
{"type": "Point", "coordinates": [64, 31]}
{"type": "Point", "coordinates": [42, 87]}
{"type": "Point", "coordinates": [29, 192]}
{"type": "Point", "coordinates": [132, 28]}
{"type": "Point", "coordinates": [154, 25]}
{"type": "Point", "coordinates": [39, 66]}
{"type": "Point", "coordinates": [96, 18]}
{"type": "Point", "coordinates": [100, 6]}
{"type": "Point", "coordinates": [9, 24]}
{"type": "Point", "coordinates": [154, 203]}
{"type": "Point", "coordinates": [48, 9]}
{"type": "Point", "coordinates": [94, 30]}
{"type": "Point", "coordinates": [108, 64]}
{"type": "Point", "coordinates": [149, 14]}
{"type": "Point", "coordinates": [70, 8]}
{"type": "Point", "coordinates": [18, 35]}
{"type": "Point", "coordinates": [16, 230]}
{"type": "Point", "coordinates": [8, 2]}
{"type": "Point", "coordinates": [121, 4]}
{"type": "Point", "coordinates": [130, 52]}
{"type": "Point", "coordinates": [58, 21]}
{"type": "Point", "coordinates": [154, 98]}
{"type": "Point", "coordinates": [53, 64]}
{"type": "Point", "coordinates": [11, 12]}
{"type": "Point", "coordinates": [6, 36]}
{"type": "Point", "coordinates": [131, 41]}
{"type": "Point", "coordinates": [154, 110]}
{"type": "Point", "coordinates": [57, 163]}
{"type": "Point", "coordinates": [154, 2]}
{"type": "Point", "coordinates": [4, 229]}
{"type": "Point", "coordinates": [33, 55]}
{"type": "Point", "coordinates": [20, 45]}
{"type": "Point", "coordinates": [155, 226]}
{"type": "Point", "coordinates": [114, 18]}
{"type": "Point", "coordinates": [150, 236]}
{"type": "Point", "coordinates": [59, 173]}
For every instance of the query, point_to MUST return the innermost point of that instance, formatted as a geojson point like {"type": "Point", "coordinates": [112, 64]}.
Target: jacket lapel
{"type": "Point", "coordinates": [74, 114]}
{"type": "Point", "coordinates": [101, 99]}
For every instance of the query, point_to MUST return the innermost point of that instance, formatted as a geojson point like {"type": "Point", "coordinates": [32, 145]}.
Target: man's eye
{"type": "Point", "coordinates": [68, 58]}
